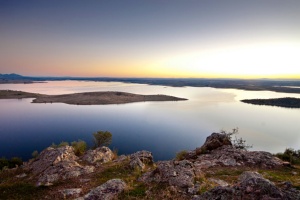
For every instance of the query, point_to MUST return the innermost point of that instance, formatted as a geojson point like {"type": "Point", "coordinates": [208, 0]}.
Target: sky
{"type": "Point", "coordinates": [151, 38]}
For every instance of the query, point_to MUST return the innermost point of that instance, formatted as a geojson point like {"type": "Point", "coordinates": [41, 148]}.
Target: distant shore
{"type": "Point", "coordinates": [87, 98]}
{"type": "Point", "coordinates": [279, 102]}
{"type": "Point", "coordinates": [275, 85]}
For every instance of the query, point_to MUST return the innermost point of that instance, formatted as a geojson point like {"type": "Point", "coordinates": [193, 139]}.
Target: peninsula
{"type": "Point", "coordinates": [286, 102]}
{"type": "Point", "coordinates": [87, 98]}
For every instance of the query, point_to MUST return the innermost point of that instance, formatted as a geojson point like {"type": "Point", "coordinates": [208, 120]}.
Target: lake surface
{"type": "Point", "coordinates": [163, 128]}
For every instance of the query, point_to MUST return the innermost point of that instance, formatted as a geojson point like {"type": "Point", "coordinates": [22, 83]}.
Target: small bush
{"type": "Point", "coordinates": [62, 144]}
{"type": "Point", "coordinates": [35, 154]}
{"type": "Point", "coordinates": [238, 143]}
{"type": "Point", "coordinates": [79, 147]}
{"type": "Point", "coordinates": [12, 163]}
{"type": "Point", "coordinates": [181, 155]}
{"type": "Point", "coordinates": [290, 155]}
{"type": "Point", "coordinates": [15, 161]}
{"type": "Point", "coordinates": [3, 163]}
{"type": "Point", "coordinates": [102, 138]}
{"type": "Point", "coordinates": [115, 152]}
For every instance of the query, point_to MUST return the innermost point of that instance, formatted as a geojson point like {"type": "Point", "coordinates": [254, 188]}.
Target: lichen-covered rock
{"type": "Point", "coordinates": [216, 140]}
{"type": "Point", "coordinates": [136, 163]}
{"type": "Point", "coordinates": [139, 159]}
{"type": "Point", "coordinates": [100, 154]}
{"type": "Point", "coordinates": [145, 156]}
{"type": "Point", "coordinates": [55, 164]}
{"type": "Point", "coordinates": [106, 191]}
{"type": "Point", "coordinates": [230, 157]}
{"type": "Point", "coordinates": [71, 193]}
{"type": "Point", "coordinates": [251, 185]}
{"type": "Point", "coordinates": [175, 173]}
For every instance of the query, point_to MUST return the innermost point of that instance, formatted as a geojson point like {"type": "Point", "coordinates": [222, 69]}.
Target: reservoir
{"type": "Point", "coordinates": [164, 128]}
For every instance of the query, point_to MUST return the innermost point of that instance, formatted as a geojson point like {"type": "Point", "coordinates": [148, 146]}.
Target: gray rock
{"type": "Point", "coordinates": [100, 154]}
{"type": "Point", "coordinates": [251, 185]}
{"type": "Point", "coordinates": [21, 175]}
{"type": "Point", "coordinates": [216, 140]}
{"type": "Point", "coordinates": [55, 164]}
{"type": "Point", "coordinates": [230, 156]}
{"type": "Point", "coordinates": [71, 193]}
{"type": "Point", "coordinates": [136, 163]}
{"type": "Point", "coordinates": [218, 182]}
{"type": "Point", "coordinates": [175, 173]}
{"type": "Point", "coordinates": [145, 157]}
{"type": "Point", "coordinates": [106, 191]}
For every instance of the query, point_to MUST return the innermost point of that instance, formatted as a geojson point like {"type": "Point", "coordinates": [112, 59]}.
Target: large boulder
{"type": "Point", "coordinates": [100, 155]}
{"type": "Point", "coordinates": [55, 164]}
{"type": "Point", "coordinates": [106, 191]}
{"type": "Point", "coordinates": [139, 159]}
{"type": "Point", "coordinates": [230, 157]}
{"type": "Point", "coordinates": [175, 173]}
{"type": "Point", "coordinates": [216, 140]}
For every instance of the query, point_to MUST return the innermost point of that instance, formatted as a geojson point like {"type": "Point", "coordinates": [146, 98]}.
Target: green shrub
{"type": "Point", "coordinates": [35, 154]}
{"type": "Point", "coordinates": [15, 161]}
{"type": "Point", "coordinates": [61, 144]}
{"type": "Point", "coordinates": [181, 155]}
{"type": "Point", "coordinates": [290, 155]}
{"type": "Point", "coordinates": [79, 147]}
{"type": "Point", "coordinates": [102, 138]}
{"type": "Point", "coordinates": [12, 163]}
{"type": "Point", "coordinates": [3, 163]}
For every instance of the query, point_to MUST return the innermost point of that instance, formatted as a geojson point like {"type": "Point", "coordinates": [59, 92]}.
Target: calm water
{"type": "Point", "coordinates": [163, 128]}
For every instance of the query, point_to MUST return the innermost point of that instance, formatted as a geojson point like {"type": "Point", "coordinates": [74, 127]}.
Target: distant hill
{"type": "Point", "coordinates": [16, 78]}
{"type": "Point", "coordinates": [11, 76]}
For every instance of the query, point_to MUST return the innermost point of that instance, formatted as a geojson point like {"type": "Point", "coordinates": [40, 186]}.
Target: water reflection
{"type": "Point", "coordinates": [161, 127]}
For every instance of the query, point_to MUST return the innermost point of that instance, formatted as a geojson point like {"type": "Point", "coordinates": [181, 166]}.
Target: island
{"type": "Point", "coordinates": [88, 98]}
{"type": "Point", "coordinates": [287, 102]}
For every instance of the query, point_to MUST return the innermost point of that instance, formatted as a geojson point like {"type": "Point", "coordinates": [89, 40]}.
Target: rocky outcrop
{"type": "Point", "coordinates": [55, 164]}
{"type": "Point", "coordinates": [100, 155]}
{"type": "Point", "coordinates": [216, 140]}
{"type": "Point", "coordinates": [175, 173]}
{"type": "Point", "coordinates": [219, 152]}
{"type": "Point", "coordinates": [251, 185]}
{"type": "Point", "coordinates": [140, 159]}
{"type": "Point", "coordinates": [106, 191]}
{"type": "Point", "coordinates": [177, 179]}
{"type": "Point", "coordinates": [228, 156]}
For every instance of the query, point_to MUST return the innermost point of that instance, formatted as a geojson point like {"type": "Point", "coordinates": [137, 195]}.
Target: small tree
{"type": "Point", "coordinates": [238, 143]}
{"type": "Point", "coordinates": [102, 138]}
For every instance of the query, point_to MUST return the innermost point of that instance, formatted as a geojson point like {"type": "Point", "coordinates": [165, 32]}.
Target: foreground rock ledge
{"type": "Point", "coordinates": [173, 179]}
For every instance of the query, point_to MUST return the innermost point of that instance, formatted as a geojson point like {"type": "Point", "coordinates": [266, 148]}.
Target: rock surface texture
{"type": "Point", "coordinates": [139, 159]}
{"type": "Point", "coordinates": [100, 154]}
{"type": "Point", "coordinates": [55, 164]}
{"type": "Point", "coordinates": [217, 151]}
{"type": "Point", "coordinates": [251, 185]}
{"type": "Point", "coordinates": [106, 191]}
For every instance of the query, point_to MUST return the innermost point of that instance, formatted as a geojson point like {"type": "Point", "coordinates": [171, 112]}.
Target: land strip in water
{"type": "Point", "coordinates": [286, 102]}
{"type": "Point", "coordinates": [87, 98]}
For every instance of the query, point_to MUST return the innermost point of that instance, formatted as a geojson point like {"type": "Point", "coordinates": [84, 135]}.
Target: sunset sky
{"type": "Point", "coordinates": [154, 38]}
